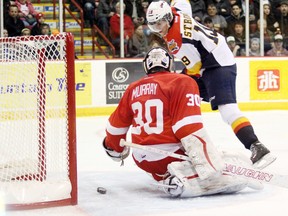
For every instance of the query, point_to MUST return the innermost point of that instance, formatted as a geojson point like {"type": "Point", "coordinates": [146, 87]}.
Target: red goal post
{"type": "Point", "coordinates": [38, 166]}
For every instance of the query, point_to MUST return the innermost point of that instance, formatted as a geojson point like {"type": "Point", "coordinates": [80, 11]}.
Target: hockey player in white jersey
{"type": "Point", "coordinates": [209, 61]}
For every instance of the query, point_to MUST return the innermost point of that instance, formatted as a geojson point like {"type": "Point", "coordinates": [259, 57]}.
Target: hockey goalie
{"type": "Point", "coordinates": [162, 110]}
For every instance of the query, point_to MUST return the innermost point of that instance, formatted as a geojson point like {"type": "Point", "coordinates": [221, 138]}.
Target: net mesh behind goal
{"type": "Point", "coordinates": [37, 121]}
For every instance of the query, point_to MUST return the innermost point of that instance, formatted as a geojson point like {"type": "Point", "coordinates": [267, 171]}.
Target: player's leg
{"type": "Point", "coordinates": [220, 84]}
{"type": "Point", "coordinates": [260, 155]}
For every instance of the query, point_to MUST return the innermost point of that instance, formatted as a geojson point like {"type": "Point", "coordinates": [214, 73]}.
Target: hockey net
{"type": "Point", "coordinates": [37, 121]}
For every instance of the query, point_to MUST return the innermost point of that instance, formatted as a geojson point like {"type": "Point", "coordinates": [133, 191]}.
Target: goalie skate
{"type": "Point", "coordinates": [173, 186]}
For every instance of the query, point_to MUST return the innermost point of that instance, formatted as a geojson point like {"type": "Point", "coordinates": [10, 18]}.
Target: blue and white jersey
{"type": "Point", "coordinates": [197, 46]}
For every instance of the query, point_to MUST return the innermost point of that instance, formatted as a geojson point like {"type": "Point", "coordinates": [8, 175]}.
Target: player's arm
{"type": "Point", "coordinates": [189, 52]}
{"type": "Point", "coordinates": [191, 59]}
{"type": "Point", "coordinates": [182, 5]}
{"type": "Point", "coordinates": [117, 128]}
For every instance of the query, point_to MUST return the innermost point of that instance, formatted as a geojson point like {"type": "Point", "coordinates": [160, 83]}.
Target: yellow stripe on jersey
{"type": "Point", "coordinates": [195, 70]}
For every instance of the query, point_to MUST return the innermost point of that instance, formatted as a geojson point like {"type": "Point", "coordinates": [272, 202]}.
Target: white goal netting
{"type": "Point", "coordinates": [35, 151]}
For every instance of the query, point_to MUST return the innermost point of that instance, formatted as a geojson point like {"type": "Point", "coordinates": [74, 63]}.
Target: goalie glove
{"type": "Point", "coordinates": [116, 156]}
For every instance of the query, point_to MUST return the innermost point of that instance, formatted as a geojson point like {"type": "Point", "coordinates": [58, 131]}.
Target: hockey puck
{"type": "Point", "coordinates": [101, 190]}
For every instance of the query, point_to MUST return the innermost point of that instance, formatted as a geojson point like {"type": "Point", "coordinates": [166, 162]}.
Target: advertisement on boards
{"type": "Point", "coordinates": [83, 83]}
{"type": "Point", "coordinates": [20, 85]}
{"type": "Point", "coordinates": [119, 75]}
{"type": "Point", "coordinates": [23, 87]}
{"type": "Point", "coordinates": [269, 80]}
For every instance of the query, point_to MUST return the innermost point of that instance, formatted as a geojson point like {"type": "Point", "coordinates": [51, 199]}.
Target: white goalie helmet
{"type": "Point", "coordinates": [158, 14]}
{"type": "Point", "coordinates": [157, 59]}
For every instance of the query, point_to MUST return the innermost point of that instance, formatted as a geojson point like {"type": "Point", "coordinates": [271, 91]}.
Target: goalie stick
{"type": "Point", "coordinates": [232, 169]}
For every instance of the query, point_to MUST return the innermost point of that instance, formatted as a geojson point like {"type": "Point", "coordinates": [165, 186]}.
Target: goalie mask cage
{"type": "Point", "coordinates": [37, 122]}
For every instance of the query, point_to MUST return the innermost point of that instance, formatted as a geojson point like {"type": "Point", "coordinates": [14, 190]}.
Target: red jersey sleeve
{"type": "Point", "coordinates": [119, 123]}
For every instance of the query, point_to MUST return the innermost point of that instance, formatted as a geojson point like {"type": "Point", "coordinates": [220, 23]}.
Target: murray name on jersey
{"type": "Point", "coordinates": [144, 89]}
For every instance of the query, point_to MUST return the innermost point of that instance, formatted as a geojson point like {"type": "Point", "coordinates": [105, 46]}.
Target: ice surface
{"type": "Point", "coordinates": [129, 190]}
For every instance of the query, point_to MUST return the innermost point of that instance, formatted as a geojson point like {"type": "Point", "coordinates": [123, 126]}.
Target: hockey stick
{"type": "Point", "coordinates": [232, 169]}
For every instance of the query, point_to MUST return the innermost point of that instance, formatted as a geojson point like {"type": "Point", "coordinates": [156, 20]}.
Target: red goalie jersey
{"type": "Point", "coordinates": [161, 109]}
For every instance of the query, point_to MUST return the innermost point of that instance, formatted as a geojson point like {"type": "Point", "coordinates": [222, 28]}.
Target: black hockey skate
{"type": "Point", "coordinates": [261, 156]}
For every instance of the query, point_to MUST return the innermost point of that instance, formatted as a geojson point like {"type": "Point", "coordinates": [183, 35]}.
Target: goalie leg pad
{"type": "Point", "coordinates": [223, 184]}
{"type": "Point", "coordinates": [187, 175]}
{"type": "Point", "coordinates": [205, 157]}
{"type": "Point", "coordinates": [188, 183]}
